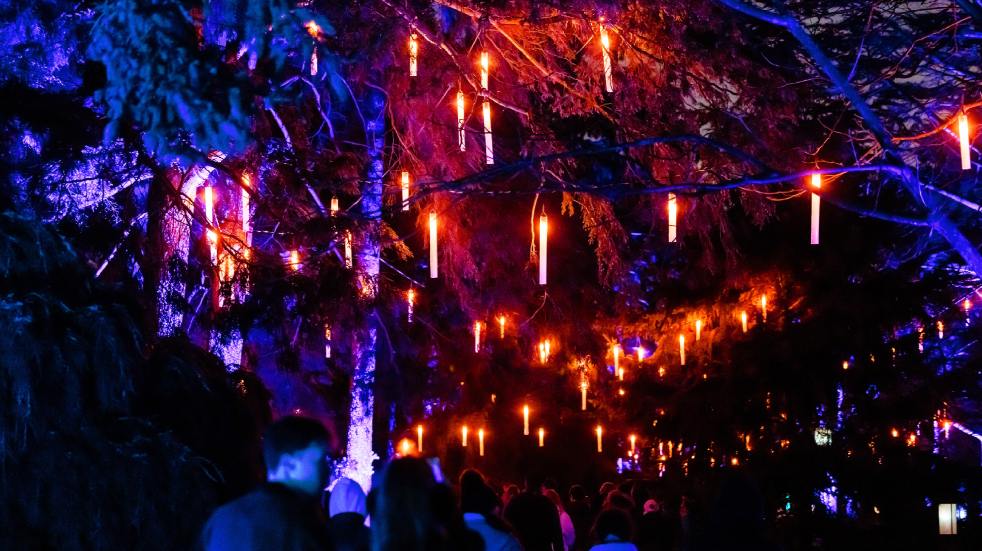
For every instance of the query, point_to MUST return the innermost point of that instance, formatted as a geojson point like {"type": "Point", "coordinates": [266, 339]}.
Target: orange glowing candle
{"type": "Point", "coordinates": [681, 349]}
{"type": "Point", "coordinates": [477, 337]}
{"type": "Point", "coordinates": [405, 447]}
{"type": "Point", "coordinates": [348, 261]}
{"type": "Point", "coordinates": [460, 120]}
{"type": "Point", "coordinates": [672, 218]}
{"type": "Point", "coordinates": [480, 442]}
{"type": "Point", "coordinates": [963, 142]}
{"type": "Point", "coordinates": [484, 71]}
{"type": "Point", "coordinates": [583, 387]}
{"type": "Point", "coordinates": [410, 300]}
{"type": "Point", "coordinates": [295, 260]}
{"type": "Point", "coordinates": [525, 415]}
{"type": "Point", "coordinates": [940, 329]}
{"type": "Point", "coordinates": [816, 207]}
{"type": "Point", "coordinates": [405, 190]}
{"type": "Point", "coordinates": [327, 341]}
{"type": "Point", "coordinates": [633, 439]}
{"type": "Point", "coordinates": [743, 320]}
{"type": "Point", "coordinates": [488, 146]}
{"type": "Point", "coordinates": [641, 352]}
{"type": "Point", "coordinates": [413, 53]}
{"type": "Point", "coordinates": [763, 307]}
{"type": "Point", "coordinates": [501, 327]}
{"type": "Point", "coordinates": [608, 69]}
{"type": "Point", "coordinates": [335, 206]}
{"type": "Point", "coordinates": [542, 437]}
{"type": "Point", "coordinates": [698, 330]}
{"type": "Point", "coordinates": [616, 351]}
{"type": "Point", "coordinates": [434, 247]}
{"type": "Point", "coordinates": [600, 441]}
{"type": "Point", "coordinates": [244, 208]}
{"type": "Point", "coordinates": [419, 438]}
{"type": "Point", "coordinates": [463, 436]}
{"type": "Point", "coordinates": [543, 248]}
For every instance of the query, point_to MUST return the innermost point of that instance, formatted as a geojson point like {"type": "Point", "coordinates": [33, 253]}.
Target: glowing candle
{"type": "Point", "coordinates": [327, 341]}
{"type": "Point", "coordinates": [542, 437]}
{"type": "Point", "coordinates": [335, 206]}
{"type": "Point", "coordinates": [620, 374]}
{"type": "Point", "coordinates": [600, 441]}
{"type": "Point", "coordinates": [920, 339]}
{"type": "Point", "coordinates": [463, 436]}
{"type": "Point", "coordinates": [210, 217]}
{"type": "Point", "coordinates": [484, 71]}
{"type": "Point", "coordinates": [845, 365]}
{"type": "Point", "coordinates": [963, 141]}
{"type": "Point", "coordinates": [488, 149]}
{"type": "Point", "coordinates": [681, 349]}
{"type": "Point", "coordinates": [743, 320]}
{"type": "Point", "coordinates": [295, 260]}
{"type": "Point", "coordinates": [501, 327]}
{"type": "Point", "coordinates": [583, 396]}
{"type": "Point", "coordinates": [763, 307]}
{"type": "Point", "coordinates": [460, 120]}
{"type": "Point", "coordinates": [419, 438]}
{"type": "Point", "coordinates": [477, 337]}
{"type": "Point", "coordinates": [542, 352]}
{"type": "Point", "coordinates": [608, 70]}
{"type": "Point", "coordinates": [641, 352]}
{"type": "Point", "coordinates": [525, 416]}
{"type": "Point", "coordinates": [434, 266]}
{"type": "Point", "coordinates": [698, 329]}
{"type": "Point", "coordinates": [348, 261]}
{"type": "Point", "coordinates": [543, 248]}
{"type": "Point", "coordinates": [816, 207]}
{"type": "Point", "coordinates": [480, 442]}
{"type": "Point", "coordinates": [410, 300]}
{"type": "Point", "coordinates": [940, 329]}
{"type": "Point", "coordinates": [548, 348]}
{"type": "Point", "coordinates": [405, 447]}
{"type": "Point", "coordinates": [405, 190]}
{"type": "Point", "coordinates": [616, 351]}
{"type": "Point", "coordinates": [633, 439]}
{"type": "Point", "coordinates": [413, 53]}
{"type": "Point", "coordinates": [672, 218]}
{"type": "Point", "coordinates": [244, 207]}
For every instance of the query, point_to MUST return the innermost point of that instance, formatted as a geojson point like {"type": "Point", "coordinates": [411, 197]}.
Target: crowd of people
{"type": "Point", "coordinates": [411, 507]}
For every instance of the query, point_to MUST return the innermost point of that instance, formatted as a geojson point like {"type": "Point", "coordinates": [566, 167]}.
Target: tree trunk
{"type": "Point", "coordinates": [360, 453]}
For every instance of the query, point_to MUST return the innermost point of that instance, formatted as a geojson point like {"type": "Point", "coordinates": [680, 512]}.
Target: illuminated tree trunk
{"type": "Point", "coordinates": [360, 454]}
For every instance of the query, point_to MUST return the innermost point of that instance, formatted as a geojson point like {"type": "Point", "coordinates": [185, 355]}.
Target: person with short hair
{"type": "Point", "coordinates": [613, 531]}
{"type": "Point", "coordinates": [284, 513]}
{"type": "Point", "coordinates": [480, 505]}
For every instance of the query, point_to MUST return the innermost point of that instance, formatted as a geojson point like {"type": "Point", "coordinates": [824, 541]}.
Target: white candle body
{"type": "Point", "coordinates": [525, 415]}
{"type": "Point", "coordinates": [413, 54]}
{"type": "Point", "coordinates": [608, 69]}
{"type": "Point", "coordinates": [434, 261]}
{"type": "Point", "coordinates": [405, 190]}
{"type": "Point", "coordinates": [480, 442]}
{"type": "Point", "coordinates": [698, 329]}
{"type": "Point", "coordinates": [600, 441]}
{"type": "Point", "coordinates": [672, 218]}
{"type": "Point", "coordinates": [681, 349]}
{"type": "Point", "coordinates": [463, 436]}
{"type": "Point", "coordinates": [965, 147]}
{"type": "Point", "coordinates": [488, 149]}
{"type": "Point", "coordinates": [543, 249]}
{"type": "Point", "coordinates": [460, 120]}
{"type": "Point", "coordinates": [583, 397]}
{"type": "Point", "coordinates": [419, 438]}
{"type": "Point", "coordinates": [816, 207]}
{"type": "Point", "coordinates": [542, 438]}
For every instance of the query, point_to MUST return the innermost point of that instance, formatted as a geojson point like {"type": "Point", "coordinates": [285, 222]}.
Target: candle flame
{"type": "Point", "coordinates": [817, 181]}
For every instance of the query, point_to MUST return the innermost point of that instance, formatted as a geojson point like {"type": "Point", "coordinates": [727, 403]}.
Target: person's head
{"type": "Point", "coordinates": [577, 493]}
{"type": "Point", "coordinates": [510, 491]}
{"type": "Point", "coordinates": [619, 500]}
{"type": "Point", "coordinates": [402, 515]}
{"type": "Point", "coordinates": [553, 496]}
{"type": "Point", "coordinates": [612, 525]}
{"type": "Point", "coordinates": [475, 494]}
{"type": "Point", "coordinates": [347, 497]}
{"type": "Point", "coordinates": [295, 450]}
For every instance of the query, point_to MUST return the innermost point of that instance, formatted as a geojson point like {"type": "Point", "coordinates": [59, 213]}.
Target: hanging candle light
{"type": "Point", "coordinates": [419, 438]}
{"type": "Point", "coordinates": [210, 217]}
{"type": "Point", "coordinates": [410, 301]}
{"type": "Point", "coordinates": [543, 248]}
{"type": "Point", "coordinates": [620, 374]}
{"type": "Point", "coordinates": [413, 53]}
{"type": "Point", "coordinates": [484, 72]}
{"type": "Point", "coordinates": [600, 440]}
{"type": "Point", "coordinates": [940, 329]}
{"type": "Point", "coordinates": [460, 120]}
{"type": "Point", "coordinates": [743, 320]}
{"type": "Point", "coordinates": [681, 349]}
{"type": "Point", "coordinates": [348, 259]}
{"type": "Point", "coordinates": [463, 436]}
{"type": "Point", "coordinates": [583, 387]}
{"type": "Point", "coordinates": [672, 218]}
{"type": "Point", "coordinates": [967, 306]}
{"type": "Point", "coordinates": [525, 418]}
{"type": "Point", "coordinates": [763, 307]}
{"type": "Point", "coordinates": [633, 438]}
{"type": "Point", "coordinates": [616, 351]}
{"type": "Point", "coordinates": [405, 190]}
{"type": "Point", "coordinates": [963, 141]}
{"type": "Point", "coordinates": [480, 442]}
{"type": "Point", "coordinates": [816, 206]}
{"type": "Point", "coordinates": [488, 148]}
{"type": "Point", "coordinates": [434, 266]}
{"type": "Point", "coordinates": [477, 337]}
{"type": "Point", "coordinates": [501, 327]}
{"type": "Point", "coordinates": [295, 260]}
{"type": "Point", "coordinates": [920, 339]}
{"type": "Point", "coordinates": [244, 213]}
{"type": "Point", "coordinates": [314, 30]}
{"type": "Point", "coordinates": [542, 437]}
{"type": "Point", "coordinates": [698, 330]}
{"type": "Point", "coordinates": [605, 49]}
{"type": "Point", "coordinates": [335, 206]}
{"type": "Point", "coordinates": [327, 341]}
{"type": "Point", "coordinates": [641, 353]}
